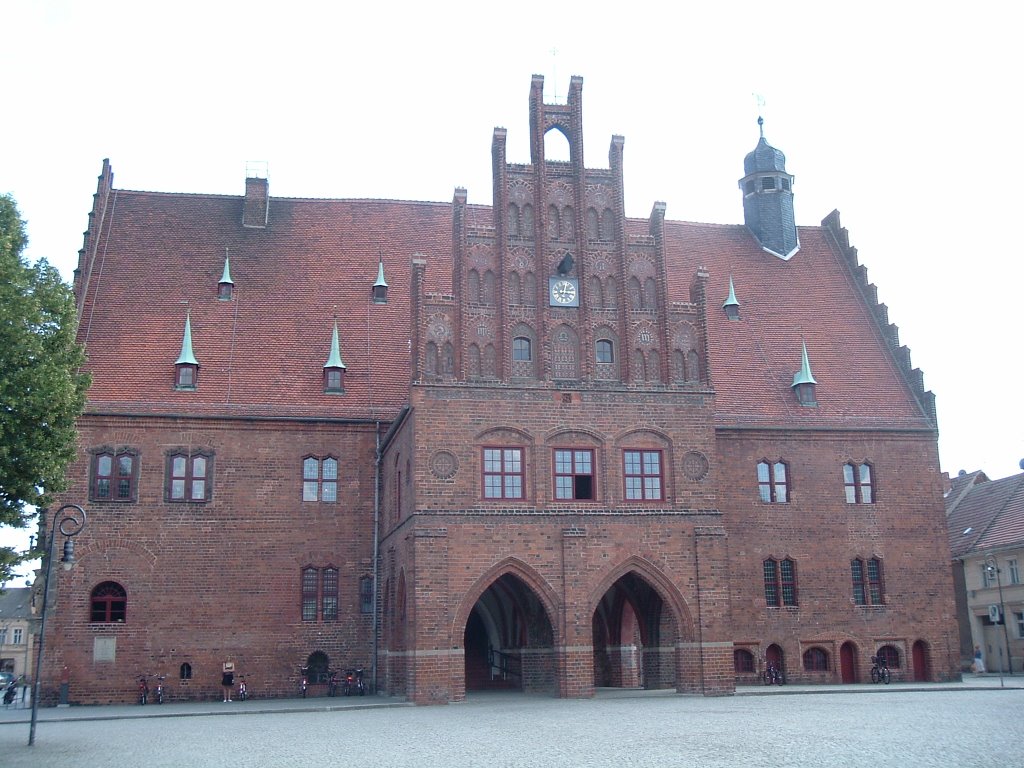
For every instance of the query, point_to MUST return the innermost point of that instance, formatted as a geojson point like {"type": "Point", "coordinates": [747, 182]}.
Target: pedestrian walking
{"type": "Point", "coordinates": [227, 679]}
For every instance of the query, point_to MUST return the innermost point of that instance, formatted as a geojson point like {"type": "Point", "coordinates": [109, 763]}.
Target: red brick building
{"type": "Point", "coordinates": [535, 445]}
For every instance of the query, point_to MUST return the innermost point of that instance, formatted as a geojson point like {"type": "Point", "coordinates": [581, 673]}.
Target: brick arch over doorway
{"type": "Point", "coordinates": [640, 622]}
{"type": "Point", "coordinates": [506, 623]}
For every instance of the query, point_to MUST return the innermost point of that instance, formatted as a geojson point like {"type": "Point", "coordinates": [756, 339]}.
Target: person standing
{"type": "Point", "coordinates": [979, 661]}
{"type": "Point", "coordinates": [227, 679]}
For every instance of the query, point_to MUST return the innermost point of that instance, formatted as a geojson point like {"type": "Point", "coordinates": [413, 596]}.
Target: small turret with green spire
{"type": "Point", "coordinates": [803, 380]}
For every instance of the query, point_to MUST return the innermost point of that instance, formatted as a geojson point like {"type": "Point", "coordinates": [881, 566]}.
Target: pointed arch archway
{"type": "Point", "coordinates": [507, 625]}
{"type": "Point", "coordinates": [639, 621]}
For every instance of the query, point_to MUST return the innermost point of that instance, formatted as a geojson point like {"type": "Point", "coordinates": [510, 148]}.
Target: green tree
{"type": "Point", "coordinates": [42, 391]}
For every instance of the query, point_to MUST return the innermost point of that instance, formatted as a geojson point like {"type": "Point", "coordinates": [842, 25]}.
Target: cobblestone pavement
{"type": "Point", "coordinates": [894, 726]}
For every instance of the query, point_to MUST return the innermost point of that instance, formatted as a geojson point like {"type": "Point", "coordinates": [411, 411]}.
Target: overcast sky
{"type": "Point", "coordinates": [907, 121]}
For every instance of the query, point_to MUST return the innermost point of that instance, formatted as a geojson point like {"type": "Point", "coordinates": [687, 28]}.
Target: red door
{"type": "Point", "coordinates": [848, 662]}
{"type": "Point", "coordinates": [920, 656]}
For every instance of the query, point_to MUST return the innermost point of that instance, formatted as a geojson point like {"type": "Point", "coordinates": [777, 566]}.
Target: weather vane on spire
{"type": "Point", "coordinates": [759, 99]}
{"type": "Point", "coordinates": [554, 74]}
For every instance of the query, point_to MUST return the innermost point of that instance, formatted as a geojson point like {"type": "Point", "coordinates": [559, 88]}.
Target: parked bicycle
{"type": "Point", "coordinates": [143, 689]}
{"type": "Point", "coordinates": [332, 683]}
{"type": "Point", "coordinates": [243, 689]}
{"type": "Point", "coordinates": [879, 670]}
{"type": "Point", "coordinates": [159, 692]}
{"type": "Point", "coordinates": [772, 675]}
{"type": "Point", "coordinates": [304, 683]}
{"type": "Point", "coordinates": [353, 684]}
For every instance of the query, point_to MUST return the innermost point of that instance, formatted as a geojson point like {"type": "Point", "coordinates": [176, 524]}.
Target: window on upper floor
{"type": "Point", "coordinates": [773, 481]}
{"type": "Point", "coordinates": [604, 351]}
{"type": "Point", "coordinates": [780, 582]}
{"type": "Point", "coordinates": [108, 603]}
{"type": "Point", "coordinates": [320, 479]}
{"type": "Point", "coordinates": [366, 594]}
{"type": "Point", "coordinates": [574, 475]}
{"type": "Point", "coordinates": [189, 477]}
{"type": "Point", "coordinates": [857, 480]}
{"type": "Point", "coordinates": [17, 636]}
{"type": "Point", "coordinates": [521, 349]}
{"type": "Point", "coordinates": [503, 473]}
{"type": "Point", "coordinates": [816, 660]}
{"type": "Point", "coordinates": [319, 593]}
{"type": "Point", "coordinates": [1018, 619]}
{"type": "Point", "coordinates": [114, 475]}
{"type": "Point", "coordinates": [1014, 571]}
{"type": "Point", "coordinates": [988, 578]}
{"type": "Point", "coordinates": [643, 475]}
{"type": "Point", "coordinates": [868, 588]}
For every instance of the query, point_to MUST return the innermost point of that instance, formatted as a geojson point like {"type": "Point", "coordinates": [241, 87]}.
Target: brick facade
{"type": "Point", "coordinates": [548, 446]}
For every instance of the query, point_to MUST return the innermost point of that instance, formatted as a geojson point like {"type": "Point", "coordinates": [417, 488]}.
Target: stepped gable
{"type": "Point", "coordinates": [159, 256]}
{"type": "Point", "coordinates": [913, 376]}
{"type": "Point", "coordinates": [811, 297]}
{"type": "Point", "coordinates": [990, 516]}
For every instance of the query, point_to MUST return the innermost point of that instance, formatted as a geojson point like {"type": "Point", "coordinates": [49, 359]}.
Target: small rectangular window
{"type": "Point", "coordinates": [643, 476]}
{"type": "Point", "coordinates": [366, 595]}
{"type": "Point", "coordinates": [113, 477]}
{"type": "Point", "coordinates": [773, 482]}
{"type": "Point", "coordinates": [188, 477]}
{"type": "Point", "coordinates": [768, 183]}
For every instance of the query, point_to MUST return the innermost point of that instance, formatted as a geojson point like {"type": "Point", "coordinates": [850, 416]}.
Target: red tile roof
{"type": "Point", "coordinates": [263, 352]}
{"type": "Point", "coordinates": [990, 516]}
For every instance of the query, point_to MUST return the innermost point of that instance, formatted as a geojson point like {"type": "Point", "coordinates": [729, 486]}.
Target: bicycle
{"type": "Point", "coordinates": [304, 684]}
{"type": "Point", "coordinates": [772, 675]}
{"type": "Point", "coordinates": [879, 670]}
{"type": "Point", "coordinates": [143, 689]}
{"type": "Point", "coordinates": [332, 683]}
{"type": "Point", "coordinates": [159, 693]}
{"type": "Point", "coordinates": [243, 689]}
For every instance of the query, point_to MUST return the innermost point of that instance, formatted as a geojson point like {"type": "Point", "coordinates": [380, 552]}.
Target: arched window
{"type": "Point", "coordinates": [635, 296]}
{"type": "Point", "coordinates": [654, 366]}
{"type": "Point", "coordinates": [742, 660]}
{"type": "Point", "coordinates": [611, 293]}
{"type": "Point", "coordinates": [448, 359]}
{"type": "Point", "coordinates": [639, 366]}
{"type": "Point", "coordinates": [473, 287]}
{"type": "Point", "coordinates": [816, 660]}
{"type": "Point", "coordinates": [473, 353]}
{"type": "Point", "coordinates": [185, 671]}
{"type": "Point", "coordinates": [513, 220]}
{"type": "Point", "coordinates": [515, 289]}
{"type": "Point", "coordinates": [114, 476]}
{"type": "Point", "coordinates": [430, 363]}
{"type": "Point", "coordinates": [489, 288]}
{"type": "Point", "coordinates": [530, 290]}
{"type": "Point", "coordinates": [593, 231]}
{"type": "Point", "coordinates": [553, 222]}
{"type": "Point", "coordinates": [607, 225]}
{"type": "Point", "coordinates": [858, 483]}
{"type": "Point", "coordinates": [568, 224]}
{"type": "Point", "coordinates": [490, 367]}
{"type": "Point", "coordinates": [678, 365]}
{"type": "Point", "coordinates": [595, 298]}
{"type": "Point", "coordinates": [650, 299]}
{"type": "Point", "coordinates": [867, 581]}
{"type": "Point", "coordinates": [521, 349]}
{"type": "Point", "coordinates": [318, 667]}
{"type": "Point", "coordinates": [527, 228]}
{"type": "Point", "coordinates": [108, 603]}
{"type": "Point", "coordinates": [692, 366]}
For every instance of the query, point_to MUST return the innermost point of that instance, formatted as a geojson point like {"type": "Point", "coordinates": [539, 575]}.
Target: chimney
{"type": "Point", "coordinates": [256, 210]}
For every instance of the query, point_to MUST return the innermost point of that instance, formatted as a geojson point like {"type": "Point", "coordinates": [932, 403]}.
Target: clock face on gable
{"type": "Point", "coordinates": [563, 292]}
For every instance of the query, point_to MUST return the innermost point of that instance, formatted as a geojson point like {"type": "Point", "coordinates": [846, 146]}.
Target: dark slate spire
{"type": "Point", "coordinates": [768, 199]}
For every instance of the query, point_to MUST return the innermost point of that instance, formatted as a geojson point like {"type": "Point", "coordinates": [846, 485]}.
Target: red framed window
{"type": "Point", "coordinates": [816, 660]}
{"type": "Point", "coordinates": [113, 476]}
{"type": "Point", "coordinates": [574, 475]}
{"type": "Point", "coordinates": [643, 474]}
{"type": "Point", "coordinates": [780, 582]}
{"type": "Point", "coordinates": [773, 482]}
{"type": "Point", "coordinates": [189, 477]}
{"type": "Point", "coordinates": [503, 473]}
{"type": "Point", "coordinates": [320, 479]}
{"type": "Point", "coordinates": [858, 483]}
{"type": "Point", "coordinates": [319, 593]}
{"type": "Point", "coordinates": [108, 603]}
{"type": "Point", "coordinates": [868, 588]}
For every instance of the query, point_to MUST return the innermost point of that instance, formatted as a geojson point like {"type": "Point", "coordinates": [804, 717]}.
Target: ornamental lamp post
{"type": "Point", "coordinates": [69, 520]}
{"type": "Point", "coordinates": [992, 567]}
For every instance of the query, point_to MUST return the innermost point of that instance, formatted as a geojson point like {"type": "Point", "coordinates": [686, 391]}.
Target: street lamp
{"type": "Point", "coordinates": [992, 568]}
{"type": "Point", "coordinates": [69, 520]}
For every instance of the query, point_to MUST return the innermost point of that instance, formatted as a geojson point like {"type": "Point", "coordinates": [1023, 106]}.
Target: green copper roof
{"type": "Point", "coordinates": [803, 376]}
{"type": "Point", "coordinates": [226, 277]}
{"type": "Point", "coordinates": [380, 276]}
{"type": "Point", "coordinates": [186, 357]}
{"type": "Point", "coordinates": [731, 300]}
{"type": "Point", "coordinates": [334, 359]}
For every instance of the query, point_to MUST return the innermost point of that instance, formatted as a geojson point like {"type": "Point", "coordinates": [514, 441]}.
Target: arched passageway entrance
{"type": "Point", "coordinates": [634, 635]}
{"type": "Point", "coordinates": [508, 640]}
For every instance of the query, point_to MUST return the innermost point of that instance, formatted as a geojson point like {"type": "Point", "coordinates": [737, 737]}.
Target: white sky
{"type": "Point", "coordinates": [904, 116]}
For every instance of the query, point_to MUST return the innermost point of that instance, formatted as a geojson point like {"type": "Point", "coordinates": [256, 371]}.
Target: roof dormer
{"type": "Point", "coordinates": [186, 367]}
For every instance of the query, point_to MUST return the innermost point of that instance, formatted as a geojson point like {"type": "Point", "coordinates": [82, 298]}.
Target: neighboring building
{"type": "Point", "coordinates": [535, 445]}
{"type": "Point", "coordinates": [986, 535]}
{"type": "Point", "coordinates": [16, 631]}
